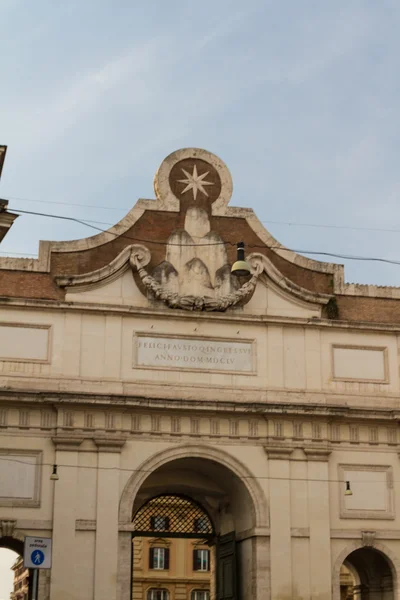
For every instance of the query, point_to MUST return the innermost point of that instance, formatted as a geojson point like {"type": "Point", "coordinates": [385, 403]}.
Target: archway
{"type": "Point", "coordinates": [172, 549]}
{"type": "Point", "coordinates": [366, 573]}
{"type": "Point", "coordinates": [23, 577]}
{"type": "Point", "coordinates": [227, 492]}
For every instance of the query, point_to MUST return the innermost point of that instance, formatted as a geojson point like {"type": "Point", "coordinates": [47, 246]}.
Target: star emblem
{"type": "Point", "coordinates": [195, 182]}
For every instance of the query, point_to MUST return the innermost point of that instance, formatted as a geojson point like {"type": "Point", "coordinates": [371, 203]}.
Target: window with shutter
{"type": "Point", "coordinates": [159, 558]}
{"type": "Point", "coordinates": [201, 560]}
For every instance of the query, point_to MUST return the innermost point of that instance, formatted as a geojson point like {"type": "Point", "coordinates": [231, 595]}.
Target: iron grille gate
{"type": "Point", "coordinates": [173, 516]}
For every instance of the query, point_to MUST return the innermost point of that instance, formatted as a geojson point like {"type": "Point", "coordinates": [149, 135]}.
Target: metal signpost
{"type": "Point", "coordinates": [37, 555]}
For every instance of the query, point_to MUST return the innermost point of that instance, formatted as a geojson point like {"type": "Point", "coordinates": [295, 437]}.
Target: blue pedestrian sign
{"type": "Point", "coordinates": [37, 557]}
{"type": "Point", "coordinates": [37, 553]}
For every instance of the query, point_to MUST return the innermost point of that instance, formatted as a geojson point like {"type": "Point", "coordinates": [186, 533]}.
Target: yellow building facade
{"type": "Point", "coordinates": [177, 578]}
{"type": "Point", "coordinates": [169, 562]}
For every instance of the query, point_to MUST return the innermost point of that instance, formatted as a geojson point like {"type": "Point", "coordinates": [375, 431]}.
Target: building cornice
{"type": "Point", "coordinates": [67, 443]}
{"type": "Point", "coordinates": [279, 408]}
{"type": "Point", "coordinates": [234, 317]}
{"type": "Point", "coordinates": [113, 445]}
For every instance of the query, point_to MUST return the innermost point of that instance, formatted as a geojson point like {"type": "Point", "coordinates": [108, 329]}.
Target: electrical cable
{"type": "Point", "coordinates": [149, 471]}
{"type": "Point", "coordinates": [253, 246]}
{"type": "Point", "coordinates": [287, 223]}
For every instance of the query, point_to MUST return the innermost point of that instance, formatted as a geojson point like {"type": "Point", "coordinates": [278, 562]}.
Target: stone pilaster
{"type": "Point", "coordinates": [280, 517]}
{"type": "Point", "coordinates": [106, 557]}
{"type": "Point", "coordinates": [64, 517]}
{"type": "Point", "coordinates": [319, 520]}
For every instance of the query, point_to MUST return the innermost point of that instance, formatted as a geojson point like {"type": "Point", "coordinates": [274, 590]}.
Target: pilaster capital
{"type": "Point", "coordinates": [318, 453]}
{"type": "Point", "coordinates": [67, 443]}
{"type": "Point", "coordinates": [114, 445]}
{"type": "Point", "coordinates": [278, 451]}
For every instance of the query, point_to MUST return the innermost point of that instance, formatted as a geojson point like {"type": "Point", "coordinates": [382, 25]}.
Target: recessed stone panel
{"type": "Point", "coordinates": [358, 363]}
{"type": "Point", "coordinates": [204, 354]}
{"type": "Point", "coordinates": [19, 477]}
{"type": "Point", "coordinates": [372, 492]}
{"type": "Point", "coordinates": [24, 342]}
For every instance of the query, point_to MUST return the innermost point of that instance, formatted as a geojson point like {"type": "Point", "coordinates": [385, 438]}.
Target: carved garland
{"type": "Point", "coordinates": [198, 303]}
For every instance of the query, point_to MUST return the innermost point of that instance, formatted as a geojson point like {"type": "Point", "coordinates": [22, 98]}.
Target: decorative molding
{"type": "Point", "coordinates": [253, 533]}
{"type": "Point", "coordinates": [85, 525]}
{"type": "Point", "coordinates": [159, 541]}
{"type": "Point", "coordinates": [131, 255]}
{"type": "Point", "coordinates": [356, 534]}
{"type": "Point", "coordinates": [261, 264]}
{"type": "Point", "coordinates": [318, 453]}
{"type": "Point", "coordinates": [110, 445]}
{"type": "Point", "coordinates": [197, 303]}
{"type": "Point", "coordinates": [276, 451]}
{"type": "Point", "coordinates": [67, 443]}
{"type": "Point", "coordinates": [300, 532]}
{"type": "Point", "coordinates": [35, 524]}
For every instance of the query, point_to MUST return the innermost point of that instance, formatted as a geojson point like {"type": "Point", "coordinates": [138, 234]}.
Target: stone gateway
{"type": "Point", "coordinates": [182, 430]}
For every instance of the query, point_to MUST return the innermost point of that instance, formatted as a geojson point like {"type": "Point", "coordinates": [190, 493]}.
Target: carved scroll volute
{"type": "Point", "coordinates": [140, 257]}
{"type": "Point", "coordinates": [256, 264]}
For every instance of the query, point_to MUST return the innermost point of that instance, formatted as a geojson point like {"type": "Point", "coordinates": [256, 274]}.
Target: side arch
{"type": "Point", "coordinates": [390, 556]}
{"type": "Point", "coordinates": [15, 542]}
{"type": "Point", "coordinates": [194, 451]}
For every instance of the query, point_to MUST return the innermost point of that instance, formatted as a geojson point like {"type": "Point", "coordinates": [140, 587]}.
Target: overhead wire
{"type": "Point", "coordinates": [222, 243]}
{"type": "Point", "coordinates": [148, 471]}
{"type": "Point", "coordinates": [269, 221]}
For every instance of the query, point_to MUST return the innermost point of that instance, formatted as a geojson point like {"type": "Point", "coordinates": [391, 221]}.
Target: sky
{"type": "Point", "coordinates": [300, 100]}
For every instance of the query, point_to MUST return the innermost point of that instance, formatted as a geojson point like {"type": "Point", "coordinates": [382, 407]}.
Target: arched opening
{"type": "Point", "coordinates": [20, 579]}
{"type": "Point", "coordinates": [230, 502]}
{"type": "Point", "coordinates": [366, 574]}
{"type": "Point", "coordinates": [172, 549]}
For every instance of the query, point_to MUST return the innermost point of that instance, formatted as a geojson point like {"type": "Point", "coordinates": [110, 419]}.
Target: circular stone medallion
{"type": "Point", "coordinates": [193, 177]}
{"type": "Point", "coordinates": [194, 181]}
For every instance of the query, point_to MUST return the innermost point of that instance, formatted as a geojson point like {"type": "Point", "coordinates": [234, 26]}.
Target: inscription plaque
{"type": "Point", "coordinates": [194, 354]}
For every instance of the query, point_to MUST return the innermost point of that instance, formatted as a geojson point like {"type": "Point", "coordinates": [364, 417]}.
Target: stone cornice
{"type": "Point", "coordinates": [281, 406]}
{"type": "Point", "coordinates": [156, 313]}
{"type": "Point", "coordinates": [108, 272]}
{"type": "Point", "coordinates": [318, 453]}
{"type": "Point", "coordinates": [278, 451]}
{"type": "Point", "coordinates": [283, 451]}
{"type": "Point", "coordinates": [113, 445]}
{"type": "Point", "coordinates": [267, 266]}
{"type": "Point", "coordinates": [67, 443]}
